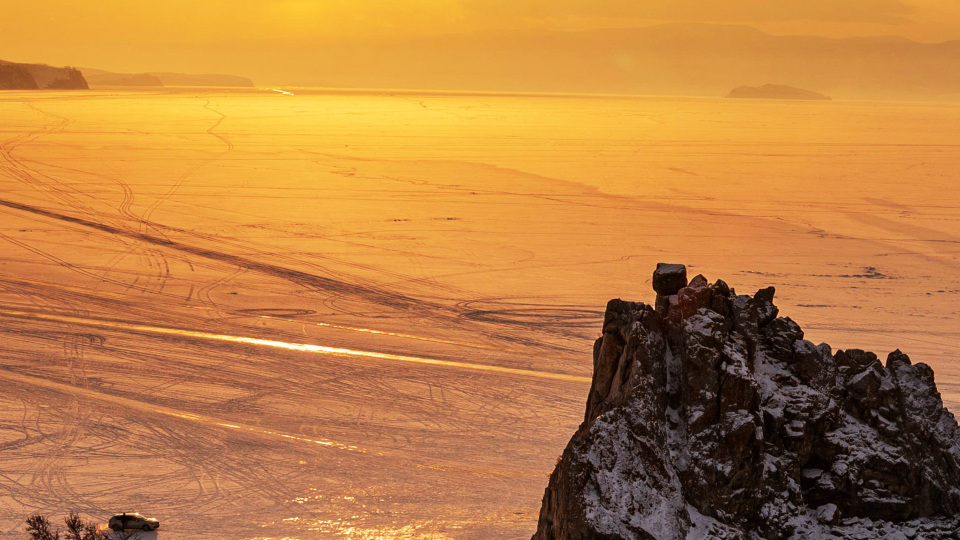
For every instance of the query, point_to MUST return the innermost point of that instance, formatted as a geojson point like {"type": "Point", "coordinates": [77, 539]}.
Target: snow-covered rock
{"type": "Point", "coordinates": [711, 417]}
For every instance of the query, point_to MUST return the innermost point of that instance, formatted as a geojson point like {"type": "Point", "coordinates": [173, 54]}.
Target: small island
{"type": "Point", "coordinates": [775, 91]}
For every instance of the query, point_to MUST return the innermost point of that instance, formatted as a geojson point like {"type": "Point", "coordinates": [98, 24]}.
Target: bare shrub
{"type": "Point", "coordinates": [39, 528]}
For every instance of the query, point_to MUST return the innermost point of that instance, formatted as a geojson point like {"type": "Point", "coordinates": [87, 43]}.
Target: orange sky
{"type": "Point", "coordinates": [204, 35]}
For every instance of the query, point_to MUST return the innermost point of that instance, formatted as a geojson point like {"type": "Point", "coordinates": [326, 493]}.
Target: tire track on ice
{"type": "Point", "coordinates": [170, 412]}
{"type": "Point", "coordinates": [69, 266]}
{"type": "Point", "coordinates": [304, 279]}
{"type": "Point", "coordinates": [145, 218]}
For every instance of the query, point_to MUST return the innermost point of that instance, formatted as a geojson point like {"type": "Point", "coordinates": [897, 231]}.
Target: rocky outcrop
{"type": "Point", "coordinates": [710, 416]}
{"type": "Point", "coordinates": [39, 76]}
{"type": "Point", "coordinates": [775, 91]}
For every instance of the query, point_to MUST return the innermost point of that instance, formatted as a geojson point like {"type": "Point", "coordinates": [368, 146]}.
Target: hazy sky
{"type": "Point", "coordinates": [200, 35]}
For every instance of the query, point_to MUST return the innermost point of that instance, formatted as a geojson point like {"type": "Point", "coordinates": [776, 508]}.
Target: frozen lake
{"type": "Point", "coordinates": [371, 315]}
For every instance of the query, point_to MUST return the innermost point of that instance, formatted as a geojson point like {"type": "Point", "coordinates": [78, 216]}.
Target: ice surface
{"type": "Point", "coordinates": [441, 229]}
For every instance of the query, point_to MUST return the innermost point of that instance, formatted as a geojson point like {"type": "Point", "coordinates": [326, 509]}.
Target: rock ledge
{"type": "Point", "coordinates": [710, 416]}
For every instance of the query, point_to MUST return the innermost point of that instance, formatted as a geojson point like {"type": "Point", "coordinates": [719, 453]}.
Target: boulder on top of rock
{"type": "Point", "coordinates": [765, 308]}
{"type": "Point", "coordinates": [668, 279]}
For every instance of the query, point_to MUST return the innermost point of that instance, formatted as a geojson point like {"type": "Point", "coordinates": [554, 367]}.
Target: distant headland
{"type": "Point", "coordinates": [14, 76]}
{"type": "Point", "coordinates": [17, 76]}
{"type": "Point", "coordinates": [98, 77]}
{"type": "Point", "coordinates": [775, 91]}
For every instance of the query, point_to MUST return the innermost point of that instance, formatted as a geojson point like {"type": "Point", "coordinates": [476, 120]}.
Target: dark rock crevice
{"type": "Point", "coordinates": [710, 416]}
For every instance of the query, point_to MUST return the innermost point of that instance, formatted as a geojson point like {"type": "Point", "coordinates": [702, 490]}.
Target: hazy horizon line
{"type": "Point", "coordinates": [336, 90]}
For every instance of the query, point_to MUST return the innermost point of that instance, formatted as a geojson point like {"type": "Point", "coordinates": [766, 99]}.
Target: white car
{"type": "Point", "coordinates": [133, 520]}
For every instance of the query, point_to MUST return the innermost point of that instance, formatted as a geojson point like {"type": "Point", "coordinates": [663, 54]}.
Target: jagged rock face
{"type": "Point", "coordinates": [16, 77]}
{"type": "Point", "coordinates": [712, 417]}
{"type": "Point", "coordinates": [39, 76]}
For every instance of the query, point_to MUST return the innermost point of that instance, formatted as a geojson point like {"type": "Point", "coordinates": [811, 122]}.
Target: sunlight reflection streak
{"type": "Point", "coordinates": [377, 332]}
{"type": "Point", "coordinates": [301, 347]}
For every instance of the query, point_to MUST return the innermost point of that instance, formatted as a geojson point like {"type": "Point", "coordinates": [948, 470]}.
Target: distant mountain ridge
{"type": "Point", "coordinates": [98, 77]}
{"type": "Point", "coordinates": [673, 59]}
{"type": "Point", "coordinates": [14, 76]}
